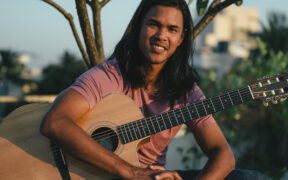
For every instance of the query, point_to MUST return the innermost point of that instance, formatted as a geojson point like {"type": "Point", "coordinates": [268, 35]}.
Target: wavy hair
{"type": "Point", "coordinates": [178, 75]}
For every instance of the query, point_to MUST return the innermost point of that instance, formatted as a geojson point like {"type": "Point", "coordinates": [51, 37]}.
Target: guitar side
{"type": "Point", "coordinates": [26, 154]}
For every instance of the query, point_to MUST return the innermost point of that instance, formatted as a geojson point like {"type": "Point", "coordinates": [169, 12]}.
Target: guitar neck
{"type": "Point", "coordinates": [151, 125]}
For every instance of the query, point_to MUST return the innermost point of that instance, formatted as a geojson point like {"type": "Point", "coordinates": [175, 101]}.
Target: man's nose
{"type": "Point", "coordinates": [161, 34]}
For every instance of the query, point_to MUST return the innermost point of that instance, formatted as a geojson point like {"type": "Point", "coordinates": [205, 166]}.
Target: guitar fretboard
{"type": "Point", "coordinates": [151, 125]}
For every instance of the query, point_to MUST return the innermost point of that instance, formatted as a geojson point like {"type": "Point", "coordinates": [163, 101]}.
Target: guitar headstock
{"type": "Point", "coordinates": [270, 89]}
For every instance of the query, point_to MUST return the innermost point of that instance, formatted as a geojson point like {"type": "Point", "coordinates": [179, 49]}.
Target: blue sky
{"type": "Point", "coordinates": [35, 27]}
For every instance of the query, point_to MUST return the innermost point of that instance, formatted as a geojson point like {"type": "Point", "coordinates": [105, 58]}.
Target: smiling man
{"type": "Point", "coordinates": [150, 65]}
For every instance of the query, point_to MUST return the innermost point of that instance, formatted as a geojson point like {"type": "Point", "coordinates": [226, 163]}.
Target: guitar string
{"type": "Point", "coordinates": [218, 105]}
{"type": "Point", "coordinates": [120, 132]}
{"type": "Point", "coordinates": [133, 127]}
{"type": "Point", "coordinates": [184, 113]}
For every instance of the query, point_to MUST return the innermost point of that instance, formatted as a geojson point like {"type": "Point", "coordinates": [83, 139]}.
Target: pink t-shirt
{"type": "Point", "coordinates": [106, 79]}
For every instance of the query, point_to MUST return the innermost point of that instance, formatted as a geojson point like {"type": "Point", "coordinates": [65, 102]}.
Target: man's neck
{"type": "Point", "coordinates": [151, 76]}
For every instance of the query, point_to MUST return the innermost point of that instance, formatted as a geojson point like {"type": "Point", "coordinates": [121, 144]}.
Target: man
{"type": "Point", "coordinates": [150, 65]}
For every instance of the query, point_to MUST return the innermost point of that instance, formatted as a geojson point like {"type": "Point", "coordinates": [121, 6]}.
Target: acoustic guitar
{"type": "Point", "coordinates": [116, 123]}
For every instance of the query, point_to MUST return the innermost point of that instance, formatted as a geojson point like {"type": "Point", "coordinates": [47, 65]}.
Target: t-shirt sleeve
{"type": "Point", "coordinates": [98, 82]}
{"type": "Point", "coordinates": [193, 96]}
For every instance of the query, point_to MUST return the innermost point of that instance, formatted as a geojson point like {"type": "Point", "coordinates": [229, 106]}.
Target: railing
{"type": "Point", "coordinates": [28, 98]}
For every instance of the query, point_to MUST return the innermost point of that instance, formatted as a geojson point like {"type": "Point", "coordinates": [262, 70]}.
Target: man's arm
{"type": "Point", "coordinates": [59, 124]}
{"type": "Point", "coordinates": [221, 160]}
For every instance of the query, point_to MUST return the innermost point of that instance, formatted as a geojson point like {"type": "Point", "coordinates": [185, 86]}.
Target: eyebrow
{"type": "Point", "coordinates": [158, 23]}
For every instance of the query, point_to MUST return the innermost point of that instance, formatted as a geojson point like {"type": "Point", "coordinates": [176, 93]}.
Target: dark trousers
{"type": "Point", "coordinates": [238, 174]}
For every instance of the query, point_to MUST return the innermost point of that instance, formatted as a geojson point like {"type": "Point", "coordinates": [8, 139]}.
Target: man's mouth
{"type": "Point", "coordinates": [158, 47]}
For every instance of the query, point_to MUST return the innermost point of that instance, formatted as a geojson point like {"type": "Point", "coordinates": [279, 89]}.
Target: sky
{"type": "Point", "coordinates": [34, 27]}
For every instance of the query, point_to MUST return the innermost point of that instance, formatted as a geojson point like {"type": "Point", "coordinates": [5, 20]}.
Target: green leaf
{"type": "Point", "coordinates": [239, 3]}
{"type": "Point", "coordinates": [201, 6]}
{"type": "Point", "coordinates": [190, 2]}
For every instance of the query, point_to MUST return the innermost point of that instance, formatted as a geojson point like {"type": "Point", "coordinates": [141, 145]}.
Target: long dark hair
{"type": "Point", "coordinates": [178, 75]}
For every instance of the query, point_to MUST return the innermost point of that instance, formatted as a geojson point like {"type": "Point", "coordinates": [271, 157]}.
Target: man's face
{"type": "Point", "coordinates": [161, 33]}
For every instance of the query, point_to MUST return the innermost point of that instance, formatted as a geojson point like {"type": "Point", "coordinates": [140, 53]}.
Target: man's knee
{"type": "Point", "coordinates": [242, 174]}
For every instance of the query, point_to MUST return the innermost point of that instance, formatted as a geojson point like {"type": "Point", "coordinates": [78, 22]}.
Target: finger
{"type": "Point", "coordinates": [168, 175]}
{"type": "Point", "coordinates": [153, 167]}
{"type": "Point", "coordinates": [265, 103]}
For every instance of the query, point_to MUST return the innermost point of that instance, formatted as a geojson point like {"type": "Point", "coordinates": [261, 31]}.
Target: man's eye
{"type": "Point", "coordinates": [152, 24]}
{"type": "Point", "coordinates": [173, 30]}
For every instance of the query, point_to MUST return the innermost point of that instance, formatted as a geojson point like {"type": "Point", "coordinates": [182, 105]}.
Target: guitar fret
{"type": "Point", "coordinates": [178, 116]}
{"type": "Point", "coordinates": [159, 128]}
{"type": "Point", "coordinates": [125, 134]}
{"type": "Point", "coordinates": [181, 112]}
{"type": "Point", "coordinates": [175, 117]}
{"type": "Point", "coordinates": [169, 124]}
{"type": "Point", "coordinates": [201, 109]}
{"type": "Point", "coordinates": [189, 113]}
{"type": "Point", "coordinates": [212, 105]}
{"type": "Point", "coordinates": [221, 102]}
{"type": "Point", "coordinates": [129, 137]}
{"type": "Point", "coordinates": [217, 104]}
{"type": "Point", "coordinates": [147, 127]}
{"type": "Point", "coordinates": [226, 101]}
{"type": "Point", "coordinates": [137, 131]}
{"type": "Point", "coordinates": [133, 134]}
{"type": "Point", "coordinates": [161, 123]}
{"type": "Point", "coordinates": [169, 119]}
{"type": "Point", "coordinates": [230, 98]}
{"type": "Point", "coordinates": [236, 98]}
{"type": "Point", "coordinates": [153, 126]}
{"type": "Point", "coordinates": [240, 95]}
{"type": "Point", "coordinates": [141, 128]}
{"type": "Point", "coordinates": [196, 110]}
{"type": "Point", "coordinates": [121, 134]}
{"type": "Point", "coordinates": [204, 107]}
{"type": "Point", "coordinates": [209, 106]}
{"type": "Point", "coordinates": [247, 95]}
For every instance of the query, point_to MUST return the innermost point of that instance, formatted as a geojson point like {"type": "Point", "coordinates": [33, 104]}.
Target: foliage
{"type": "Point", "coordinates": [10, 68]}
{"type": "Point", "coordinates": [257, 134]}
{"type": "Point", "coordinates": [261, 131]}
{"type": "Point", "coordinates": [58, 77]}
{"type": "Point", "coordinates": [201, 6]}
{"type": "Point", "coordinates": [275, 32]}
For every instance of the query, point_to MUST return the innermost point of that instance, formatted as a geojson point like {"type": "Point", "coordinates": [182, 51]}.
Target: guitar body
{"type": "Point", "coordinates": [26, 154]}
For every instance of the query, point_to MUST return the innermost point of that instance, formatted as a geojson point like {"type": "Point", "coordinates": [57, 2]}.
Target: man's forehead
{"type": "Point", "coordinates": [171, 15]}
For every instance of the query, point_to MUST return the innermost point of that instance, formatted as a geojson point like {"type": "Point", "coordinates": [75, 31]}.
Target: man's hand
{"type": "Point", "coordinates": [154, 173]}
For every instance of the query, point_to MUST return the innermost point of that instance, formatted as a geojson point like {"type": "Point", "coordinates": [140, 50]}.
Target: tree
{"type": "Point", "coordinates": [10, 68]}
{"type": "Point", "coordinates": [69, 69]}
{"type": "Point", "coordinates": [275, 32]}
{"type": "Point", "coordinates": [94, 52]}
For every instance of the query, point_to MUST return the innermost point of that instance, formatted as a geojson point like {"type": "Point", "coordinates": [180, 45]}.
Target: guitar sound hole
{"type": "Point", "coordinates": [106, 137]}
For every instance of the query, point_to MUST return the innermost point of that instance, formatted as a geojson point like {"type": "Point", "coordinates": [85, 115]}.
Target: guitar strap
{"type": "Point", "coordinates": [60, 161]}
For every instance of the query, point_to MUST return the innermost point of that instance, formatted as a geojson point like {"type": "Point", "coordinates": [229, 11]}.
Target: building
{"type": "Point", "coordinates": [226, 38]}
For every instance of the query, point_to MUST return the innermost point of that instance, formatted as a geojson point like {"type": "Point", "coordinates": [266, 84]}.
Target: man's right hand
{"type": "Point", "coordinates": [154, 173]}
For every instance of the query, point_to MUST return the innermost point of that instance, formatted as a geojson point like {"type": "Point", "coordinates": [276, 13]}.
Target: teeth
{"type": "Point", "coordinates": [158, 47]}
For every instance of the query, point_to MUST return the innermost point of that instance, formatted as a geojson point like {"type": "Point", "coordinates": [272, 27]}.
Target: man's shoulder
{"type": "Point", "coordinates": [110, 65]}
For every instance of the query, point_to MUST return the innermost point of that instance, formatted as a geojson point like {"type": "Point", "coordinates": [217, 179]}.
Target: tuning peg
{"type": "Point", "coordinates": [265, 103]}
{"type": "Point", "coordinates": [283, 99]}
{"type": "Point", "coordinates": [274, 101]}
